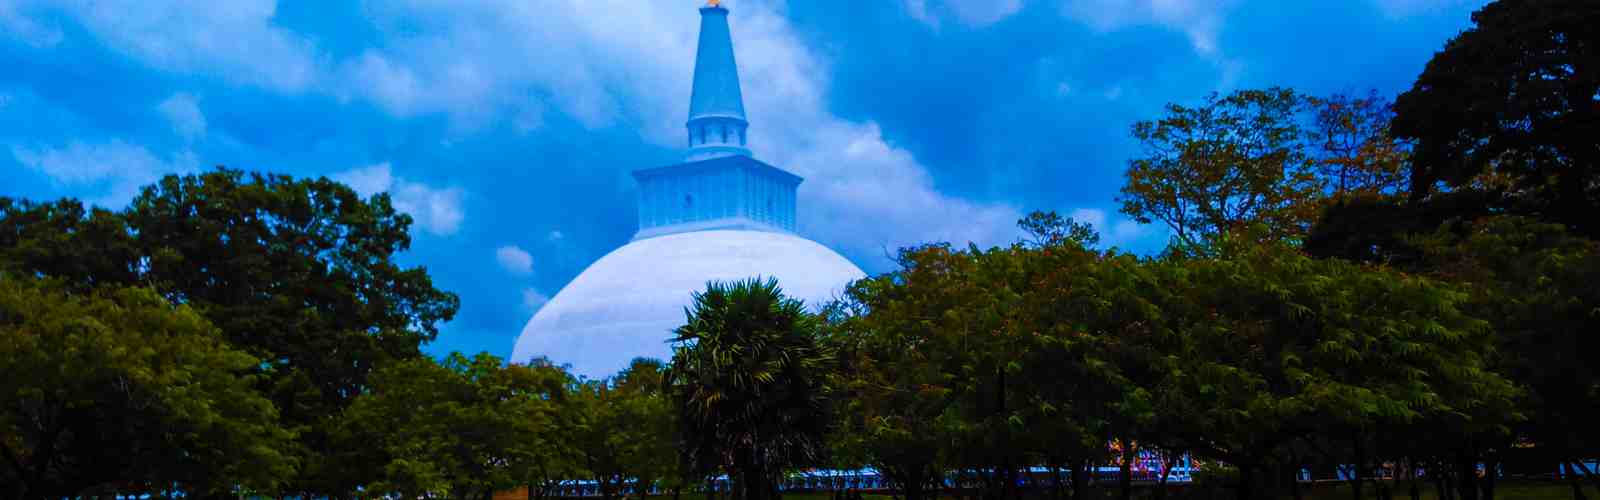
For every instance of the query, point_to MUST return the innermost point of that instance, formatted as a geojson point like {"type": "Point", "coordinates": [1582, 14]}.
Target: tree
{"type": "Point", "coordinates": [1287, 347]}
{"type": "Point", "coordinates": [1534, 283]}
{"type": "Point", "coordinates": [895, 404]}
{"type": "Point", "coordinates": [1051, 229]}
{"type": "Point", "coordinates": [1517, 95]}
{"type": "Point", "coordinates": [748, 380]}
{"type": "Point", "coordinates": [557, 461]}
{"type": "Point", "coordinates": [297, 272]}
{"type": "Point", "coordinates": [1232, 162]}
{"type": "Point", "coordinates": [1352, 148]}
{"type": "Point", "coordinates": [622, 430]}
{"type": "Point", "coordinates": [60, 239]}
{"type": "Point", "coordinates": [461, 428]}
{"type": "Point", "coordinates": [646, 421]}
{"type": "Point", "coordinates": [116, 391]}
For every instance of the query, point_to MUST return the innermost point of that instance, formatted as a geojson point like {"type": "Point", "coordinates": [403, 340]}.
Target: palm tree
{"type": "Point", "coordinates": [748, 378]}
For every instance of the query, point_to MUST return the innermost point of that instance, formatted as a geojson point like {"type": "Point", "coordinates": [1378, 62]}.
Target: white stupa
{"type": "Point", "coordinates": [718, 216]}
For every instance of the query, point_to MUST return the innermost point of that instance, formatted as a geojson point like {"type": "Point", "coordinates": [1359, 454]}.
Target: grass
{"type": "Point", "coordinates": [1506, 490]}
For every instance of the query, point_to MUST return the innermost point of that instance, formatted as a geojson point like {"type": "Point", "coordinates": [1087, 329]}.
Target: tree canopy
{"type": "Point", "coordinates": [1514, 100]}
{"type": "Point", "coordinates": [748, 380]}
{"type": "Point", "coordinates": [119, 391]}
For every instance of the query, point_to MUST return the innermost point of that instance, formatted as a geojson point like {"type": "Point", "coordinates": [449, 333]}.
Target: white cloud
{"type": "Point", "coordinates": [514, 260]}
{"type": "Point", "coordinates": [533, 300]}
{"type": "Point", "coordinates": [555, 236]}
{"type": "Point", "coordinates": [1120, 233]}
{"type": "Point", "coordinates": [619, 61]}
{"type": "Point", "coordinates": [235, 40]}
{"type": "Point", "coordinates": [600, 62]}
{"type": "Point", "coordinates": [435, 210]}
{"type": "Point", "coordinates": [972, 13]}
{"type": "Point", "coordinates": [114, 170]}
{"type": "Point", "coordinates": [183, 112]}
{"type": "Point", "coordinates": [1200, 20]}
{"type": "Point", "coordinates": [1091, 216]}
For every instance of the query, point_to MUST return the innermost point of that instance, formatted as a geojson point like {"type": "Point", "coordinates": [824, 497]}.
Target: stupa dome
{"type": "Point", "coordinates": [626, 304]}
{"type": "Point", "coordinates": [719, 215]}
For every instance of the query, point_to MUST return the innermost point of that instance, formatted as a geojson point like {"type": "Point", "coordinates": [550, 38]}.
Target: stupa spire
{"type": "Point", "coordinates": [716, 107]}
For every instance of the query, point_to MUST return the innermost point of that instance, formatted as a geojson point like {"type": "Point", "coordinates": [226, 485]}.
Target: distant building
{"type": "Point", "coordinates": [718, 215]}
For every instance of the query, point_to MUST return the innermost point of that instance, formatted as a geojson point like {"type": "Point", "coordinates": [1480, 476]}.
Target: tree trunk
{"type": "Point", "coordinates": [1587, 474]}
{"type": "Point", "coordinates": [1294, 481]}
{"type": "Point", "coordinates": [1357, 475]}
{"type": "Point", "coordinates": [1448, 479]}
{"type": "Point", "coordinates": [1167, 463]}
{"type": "Point", "coordinates": [1491, 466]}
{"type": "Point", "coordinates": [1571, 474]}
{"type": "Point", "coordinates": [1080, 480]}
{"type": "Point", "coordinates": [1467, 484]}
{"type": "Point", "coordinates": [1245, 482]}
{"type": "Point", "coordinates": [1125, 473]}
{"type": "Point", "coordinates": [1056, 491]}
{"type": "Point", "coordinates": [1411, 473]}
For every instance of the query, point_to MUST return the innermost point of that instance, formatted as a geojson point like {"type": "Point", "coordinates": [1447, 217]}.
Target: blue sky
{"type": "Point", "coordinates": [508, 127]}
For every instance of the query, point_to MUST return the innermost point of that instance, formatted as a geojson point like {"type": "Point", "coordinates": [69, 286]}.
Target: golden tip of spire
{"type": "Point", "coordinates": [712, 3]}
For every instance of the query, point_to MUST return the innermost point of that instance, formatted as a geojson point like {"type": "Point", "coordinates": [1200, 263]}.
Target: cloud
{"type": "Point", "coordinates": [632, 66]}
{"type": "Point", "coordinates": [115, 170]}
{"type": "Point", "coordinates": [1123, 232]}
{"type": "Point", "coordinates": [234, 40]}
{"type": "Point", "coordinates": [972, 13]}
{"type": "Point", "coordinates": [1200, 20]}
{"type": "Point", "coordinates": [184, 114]}
{"type": "Point", "coordinates": [870, 198]}
{"type": "Point", "coordinates": [514, 260]}
{"type": "Point", "coordinates": [602, 63]}
{"type": "Point", "coordinates": [598, 62]}
{"type": "Point", "coordinates": [435, 210]}
{"type": "Point", "coordinates": [532, 299]}
{"type": "Point", "coordinates": [555, 236]}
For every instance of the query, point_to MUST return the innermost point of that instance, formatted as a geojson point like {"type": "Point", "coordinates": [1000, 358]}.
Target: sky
{"type": "Point", "coordinates": [508, 128]}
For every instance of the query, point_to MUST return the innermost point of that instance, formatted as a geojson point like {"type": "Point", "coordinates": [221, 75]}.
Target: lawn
{"type": "Point", "coordinates": [1507, 490]}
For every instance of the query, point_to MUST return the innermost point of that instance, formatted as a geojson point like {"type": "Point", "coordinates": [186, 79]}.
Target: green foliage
{"type": "Point", "coordinates": [1353, 147]}
{"type": "Point", "coordinates": [896, 406]}
{"type": "Point", "coordinates": [461, 428]}
{"type": "Point", "coordinates": [299, 273]}
{"type": "Point", "coordinates": [748, 382]}
{"type": "Point", "coordinates": [1289, 346]}
{"type": "Point", "coordinates": [622, 429]}
{"type": "Point", "coordinates": [1516, 99]}
{"type": "Point", "coordinates": [80, 247]}
{"type": "Point", "coordinates": [1232, 162]}
{"type": "Point", "coordinates": [117, 391]}
{"type": "Point", "coordinates": [1050, 228]}
{"type": "Point", "coordinates": [1242, 356]}
{"type": "Point", "coordinates": [1534, 282]}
